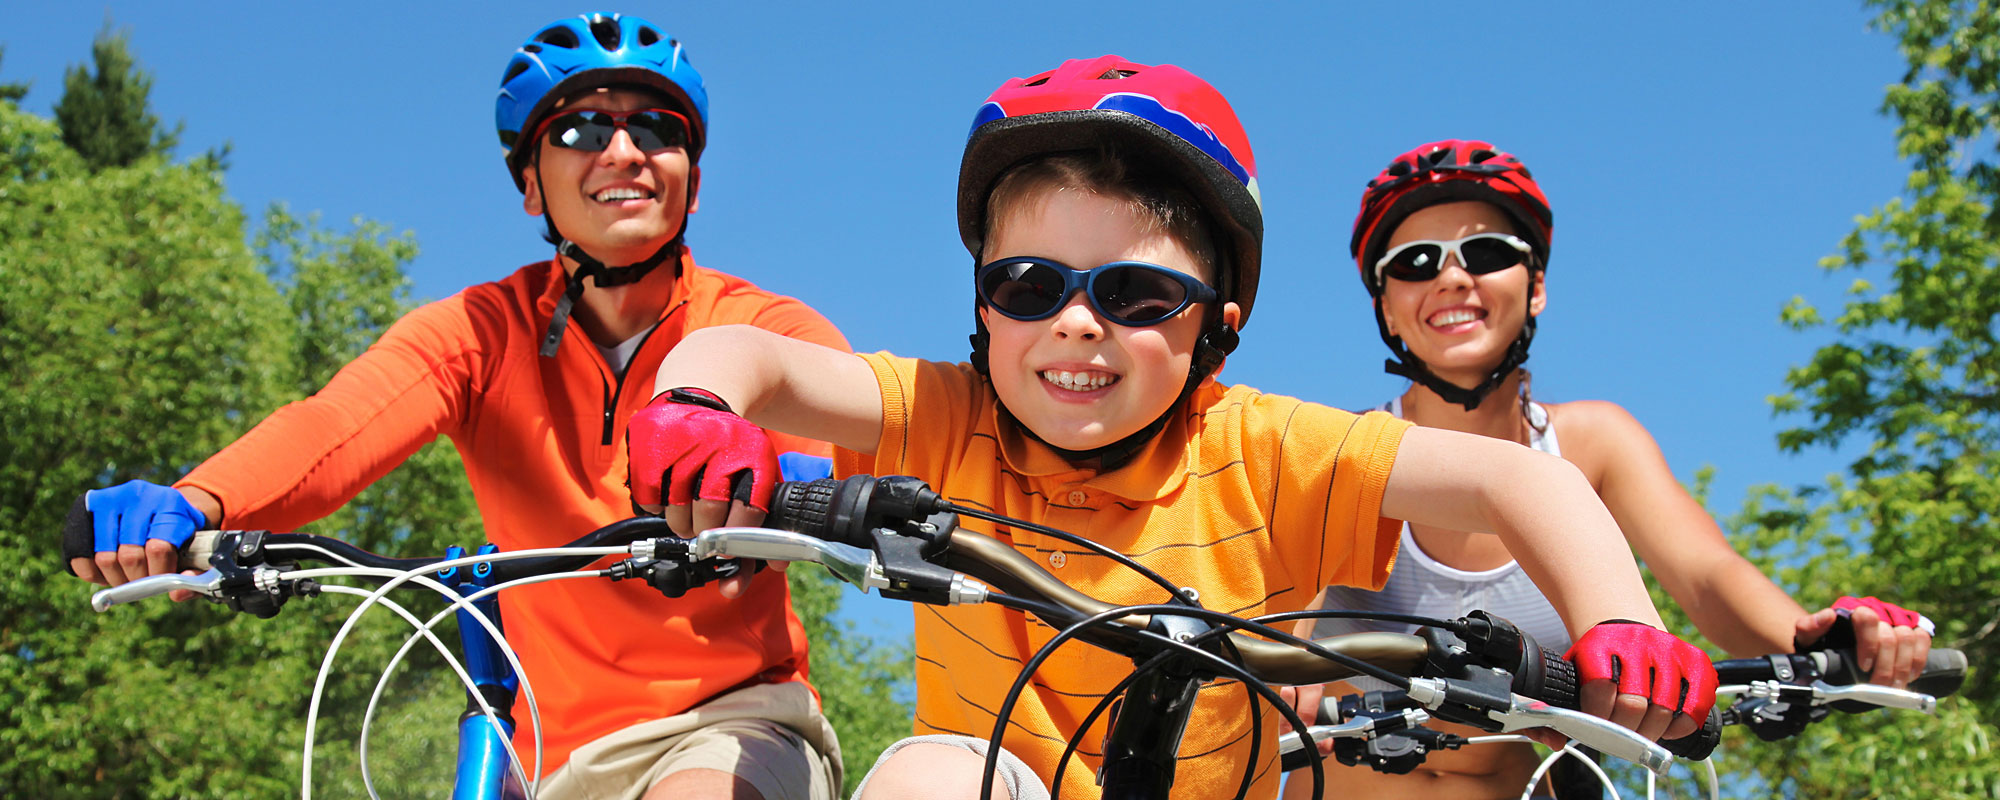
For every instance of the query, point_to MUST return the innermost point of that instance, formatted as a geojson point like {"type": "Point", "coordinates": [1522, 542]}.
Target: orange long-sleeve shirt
{"type": "Point", "coordinates": [543, 441]}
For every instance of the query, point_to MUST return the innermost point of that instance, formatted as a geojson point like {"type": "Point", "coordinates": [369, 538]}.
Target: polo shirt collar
{"type": "Point", "coordinates": [1158, 470]}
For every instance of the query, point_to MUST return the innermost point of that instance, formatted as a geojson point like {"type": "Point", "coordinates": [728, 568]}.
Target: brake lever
{"type": "Point", "coordinates": [1823, 693]}
{"type": "Point", "coordinates": [847, 562]}
{"type": "Point", "coordinates": [207, 584]}
{"type": "Point", "coordinates": [1522, 713]}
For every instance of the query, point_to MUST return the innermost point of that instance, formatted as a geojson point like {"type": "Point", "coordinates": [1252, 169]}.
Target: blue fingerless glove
{"type": "Point", "coordinates": [134, 511]}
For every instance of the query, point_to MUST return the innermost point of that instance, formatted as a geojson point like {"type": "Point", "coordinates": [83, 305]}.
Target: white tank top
{"type": "Point", "coordinates": [1421, 585]}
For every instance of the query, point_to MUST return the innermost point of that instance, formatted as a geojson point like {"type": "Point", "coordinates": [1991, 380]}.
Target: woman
{"type": "Point", "coordinates": [1453, 245]}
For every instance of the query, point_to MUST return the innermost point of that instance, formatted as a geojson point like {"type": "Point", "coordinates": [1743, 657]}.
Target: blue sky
{"type": "Point", "coordinates": [1700, 157]}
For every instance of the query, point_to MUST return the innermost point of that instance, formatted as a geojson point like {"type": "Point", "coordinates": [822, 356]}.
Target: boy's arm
{"type": "Point", "coordinates": [780, 383]}
{"type": "Point", "coordinates": [1554, 524]}
{"type": "Point", "coordinates": [1550, 518]}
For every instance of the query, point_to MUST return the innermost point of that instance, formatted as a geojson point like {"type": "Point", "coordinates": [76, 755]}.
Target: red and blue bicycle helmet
{"type": "Point", "coordinates": [1164, 118]}
{"type": "Point", "coordinates": [591, 51]}
{"type": "Point", "coordinates": [1163, 113]}
{"type": "Point", "coordinates": [1450, 171]}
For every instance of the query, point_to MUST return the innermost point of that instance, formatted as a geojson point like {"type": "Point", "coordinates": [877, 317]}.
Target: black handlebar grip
{"type": "Point", "coordinates": [1559, 684]}
{"type": "Point", "coordinates": [1698, 745]}
{"type": "Point", "coordinates": [1944, 671]}
{"type": "Point", "coordinates": [803, 507]}
{"type": "Point", "coordinates": [78, 538]}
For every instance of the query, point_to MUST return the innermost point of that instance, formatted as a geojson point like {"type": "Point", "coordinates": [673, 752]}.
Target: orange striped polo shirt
{"type": "Point", "coordinates": [1252, 499]}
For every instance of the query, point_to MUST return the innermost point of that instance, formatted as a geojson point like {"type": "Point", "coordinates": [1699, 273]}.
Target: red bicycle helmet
{"type": "Point", "coordinates": [1444, 172]}
{"type": "Point", "coordinates": [1164, 113]}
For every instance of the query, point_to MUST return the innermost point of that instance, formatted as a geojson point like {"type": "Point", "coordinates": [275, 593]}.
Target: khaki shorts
{"type": "Point", "coordinates": [770, 735]}
{"type": "Point", "coordinates": [1012, 774]}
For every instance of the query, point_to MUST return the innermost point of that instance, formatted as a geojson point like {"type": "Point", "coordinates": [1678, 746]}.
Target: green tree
{"type": "Point", "coordinates": [143, 330]}
{"type": "Point", "coordinates": [1911, 383]}
{"type": "Point", "coordinates": [106, 115]}
{"type": "Point", "coordinates": [11, 92]}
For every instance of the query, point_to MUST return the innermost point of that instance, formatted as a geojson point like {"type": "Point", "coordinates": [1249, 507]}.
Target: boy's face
{"type": "Point", "coordinates": [1120, 378]}
{"type": "Point", "coordinates": [620, 204]}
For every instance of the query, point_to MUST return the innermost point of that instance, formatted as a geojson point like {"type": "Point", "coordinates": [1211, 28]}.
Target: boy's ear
{"type": "Point", "coordinates": [1538, 293]}
{"type": "Point", "coordinates": [1232, 316]}
{"type": "Point", "coordinates": [694, 189]}
{"type": "Point", "coordinates": [531, 192]}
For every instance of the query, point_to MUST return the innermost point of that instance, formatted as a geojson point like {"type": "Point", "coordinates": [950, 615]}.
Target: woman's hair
{"type": "Point", "coordinates": [1106, 172]}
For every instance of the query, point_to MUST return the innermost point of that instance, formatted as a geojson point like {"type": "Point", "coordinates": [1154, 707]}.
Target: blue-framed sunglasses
{"type": "Point", "coordinates": [1132, 293]}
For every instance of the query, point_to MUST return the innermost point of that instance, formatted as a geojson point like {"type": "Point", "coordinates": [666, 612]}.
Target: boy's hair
{"type": "Point", "coordinates": [1109, 173]}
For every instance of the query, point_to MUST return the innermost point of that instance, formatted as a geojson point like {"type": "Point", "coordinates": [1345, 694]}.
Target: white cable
{"type": "Point", "coordinates": [312, 712]}
{"type": "Point", "coordinates": [1570, 750]}
{"type": "Point", "coordinates": [367, 719]}
{"type": "Point", "coordinates": [398, 578]}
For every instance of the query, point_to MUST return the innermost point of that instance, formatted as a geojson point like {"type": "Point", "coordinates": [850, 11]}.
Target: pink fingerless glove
{"type": "Point", "coordinates": [1890, 612]}
{"type": "Point", "coordinates": [1649, 662]}
{"type": "Point", "coordinates": [687, 443]}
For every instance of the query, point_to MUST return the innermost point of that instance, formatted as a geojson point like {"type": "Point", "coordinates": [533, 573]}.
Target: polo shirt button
{"type": "Point", "coordinates": [1057, 559]}
{"type": "Point", "coordinates": [1077, 497]}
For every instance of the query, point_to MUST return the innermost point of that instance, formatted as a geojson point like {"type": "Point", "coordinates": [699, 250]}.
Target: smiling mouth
{"type": "Point", "coordinates": [621, 194]}
{"type": "Point", "coordinates": [1455, 316]}
{"type": "Point", "coordinates": [1079, 381]}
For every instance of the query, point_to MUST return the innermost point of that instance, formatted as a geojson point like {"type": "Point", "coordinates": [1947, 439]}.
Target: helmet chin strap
{"type": "Point", "coordinates": [1409, 366]}
{"type": "Point", "coordinates": [589, 267]}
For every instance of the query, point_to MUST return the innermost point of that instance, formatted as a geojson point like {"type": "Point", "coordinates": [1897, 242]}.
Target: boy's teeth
{"type": "Point", "coordinates": [610, 195]}
{"type": "Point", "coordinates": [1078, 381]}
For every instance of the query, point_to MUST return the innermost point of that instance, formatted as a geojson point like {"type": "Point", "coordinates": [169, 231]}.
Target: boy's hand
{"type": "Point", "coordinates": [1889, 641]}
{"type": "Point", "coordinates": [689, 452]}
{"type": "Point", "coordinates": [1644, 678]}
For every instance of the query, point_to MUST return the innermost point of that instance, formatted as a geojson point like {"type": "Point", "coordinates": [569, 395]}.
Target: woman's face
{"type": "Point", "coordinates": [1460, 324]}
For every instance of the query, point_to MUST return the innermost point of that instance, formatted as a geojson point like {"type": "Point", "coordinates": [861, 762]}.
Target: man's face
{"type": "Point", "coordinates": [1076, 380]}
{"type": "Point", "coordinates": [620, 204]}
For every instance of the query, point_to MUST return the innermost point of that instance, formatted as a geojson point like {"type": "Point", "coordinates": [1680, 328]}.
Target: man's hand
{"type": "Point", "coordinates": [700, 466]}
{"type": "Point", "coordinates": [138, 529]}
{"type": "Point", "coordinates": [1890, 642]}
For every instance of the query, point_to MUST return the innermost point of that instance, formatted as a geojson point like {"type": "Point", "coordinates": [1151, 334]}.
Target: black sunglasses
{"type": "Point", "coordinates": [1132, 293]}
{"type": "Point", "coordinates": [1479, 254]}
{"type": "Point", "coordinates": [652, 129]}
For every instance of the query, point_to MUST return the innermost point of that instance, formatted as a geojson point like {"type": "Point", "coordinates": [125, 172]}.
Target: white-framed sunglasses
{"type": "Point", "coordinates": [1480, 253]}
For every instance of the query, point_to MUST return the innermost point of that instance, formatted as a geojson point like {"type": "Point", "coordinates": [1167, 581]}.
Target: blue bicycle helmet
{"type": "Point", "coordinates": [586, 52]}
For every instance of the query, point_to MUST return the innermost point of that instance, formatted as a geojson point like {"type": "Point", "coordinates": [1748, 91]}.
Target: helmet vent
{"type": "Point", "coordinates": [1480, 156]}
{"type": "Point", "coordinates": [1038, 81]}
{"type": "Point", "coordinates": [647, 36]}
{"type": "Point", "coordinates": [1399, 169]}
{"type": "Point", "coordinates": [605, 30]}
{"type": "Point", "coordinates": [515, 69]}
{"type": "Point", "coordinates": [557, 37]}
{"type": "Point", "coordinates": [1117, 74]}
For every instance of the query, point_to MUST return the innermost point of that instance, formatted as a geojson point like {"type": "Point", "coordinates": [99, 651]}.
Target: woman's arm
{"type": "Point", "coordinates": [1733, 603]}
{"type": "Point", "coordinates": [781, 383]}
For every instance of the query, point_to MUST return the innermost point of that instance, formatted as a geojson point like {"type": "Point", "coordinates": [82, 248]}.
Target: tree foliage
{"type": "Point", "coordinates": [1910, 384]}
{"type": "Point", "coordinates": [142, 330]}
{"type": "Point", "coordinates": [11, 92]}
{"type": "Point", "coordinates": [106, 114]}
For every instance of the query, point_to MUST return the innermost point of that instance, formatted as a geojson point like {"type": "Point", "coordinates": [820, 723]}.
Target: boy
{"type": "Point", "coordinates": [604, 120]}
{"type": "Point", "coordinates": [1134, 187]}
